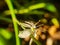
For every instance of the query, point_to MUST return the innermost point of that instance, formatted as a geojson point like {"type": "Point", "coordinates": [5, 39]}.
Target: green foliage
{"type": "Point", "coordinates": [2, 41]}
{"type": "Point", "coordinates": [51, 8]}
{"type": "Point", "coordinates": [9, 3]}
{"type": "Point", "coordinates": [6, 34]}
{"type": "Point", "coordinates": [55, 22]}
{"type": "Point", "coordinates": [5, 19]}
{"type": "Point", "coordinates": [31, 9]}
{"type": "Point", "coordinates": [37, 6]}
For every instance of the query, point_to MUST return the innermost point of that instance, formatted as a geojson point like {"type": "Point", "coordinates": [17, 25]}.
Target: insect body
{"type": "Point", "coordinates": [31, 28]}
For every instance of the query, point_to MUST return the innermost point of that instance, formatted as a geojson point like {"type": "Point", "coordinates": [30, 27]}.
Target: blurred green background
{"type": "Point", "coordinates": [25, 10]}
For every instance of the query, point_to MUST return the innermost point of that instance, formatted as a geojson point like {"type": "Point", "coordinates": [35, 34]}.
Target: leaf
{"type": "Point", "coordinates": [36, 6]}
{"type": "Point", "coordinates": [2, 41]}
{"type": "Point", "coordinates": [51, 7]}
{"type": "Point", "coordinates": [6, 34]}
{"type": "Point", "coordinates": [55, 22]}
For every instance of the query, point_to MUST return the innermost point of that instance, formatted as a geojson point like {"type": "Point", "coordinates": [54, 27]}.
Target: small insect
{"type": "Point", "coordinates": [28, 29]}
{"type": "Point", "coordinates": [39, 29]}
{"type": "Point", "coordinates": [31, 28]}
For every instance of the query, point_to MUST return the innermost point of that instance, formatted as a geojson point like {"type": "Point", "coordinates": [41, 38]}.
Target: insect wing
{"type": "Point", "coordinates": [24, 34]}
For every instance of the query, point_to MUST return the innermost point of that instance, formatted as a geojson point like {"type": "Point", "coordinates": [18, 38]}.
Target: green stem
{"type": "Point", "coordinates": [28, 9]}
{"type": "Point", "coordinates": [21, 24]}
{"type": "Point", "coordinates": [5, 19]}
{"type": "Point", "coordinates": [36, 41]}
{"type": "Point", "coordinates": [14, 20]}
{"type": "Point", "coordinates": [9, 21]}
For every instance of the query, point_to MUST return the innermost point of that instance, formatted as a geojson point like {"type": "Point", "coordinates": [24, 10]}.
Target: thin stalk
{"type": "Point", "coordinates": [14, 20]}
{"type": "Point", "coordinates": [9, 21]}
{"type": "Point", "coordinates": [28, 9]}
{"type": "Point", "coordinates": [36, 41]}
{"type": "Point", "coordinates": [5, 19]}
